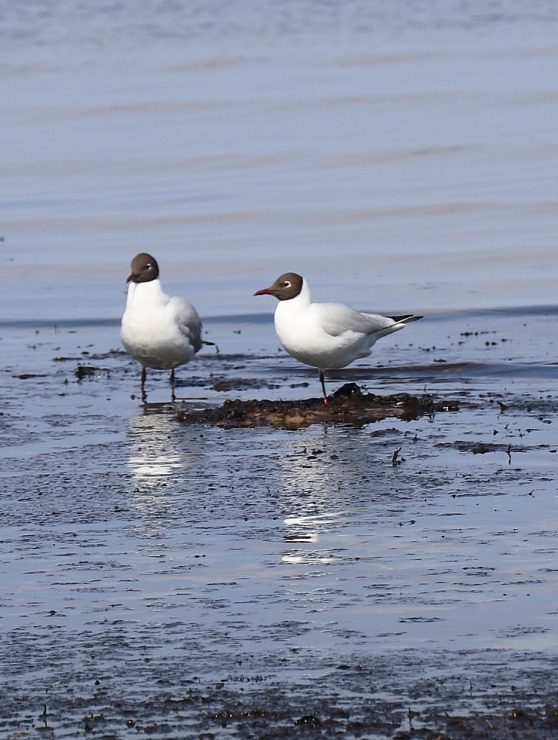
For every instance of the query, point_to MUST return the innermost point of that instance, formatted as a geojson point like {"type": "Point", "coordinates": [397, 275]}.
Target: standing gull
{"type": "Point", "coordinates": [325, 335]}
{"type": "Point", "coordinates": [158, 331]}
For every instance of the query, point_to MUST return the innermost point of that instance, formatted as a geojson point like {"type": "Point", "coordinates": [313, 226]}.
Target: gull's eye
{"type": "Point", "coordinates": [286, 284]}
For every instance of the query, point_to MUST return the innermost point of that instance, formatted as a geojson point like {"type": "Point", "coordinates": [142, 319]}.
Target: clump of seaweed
{"type": "Point", "coordinates": [347, 405]}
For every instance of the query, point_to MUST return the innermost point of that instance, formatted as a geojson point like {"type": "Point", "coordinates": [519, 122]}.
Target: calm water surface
{"type": "Point", "coordinates": [400, 157]}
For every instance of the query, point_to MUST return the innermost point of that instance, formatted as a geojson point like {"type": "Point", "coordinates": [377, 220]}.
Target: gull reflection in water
{"type": "Point", "coordinates": [312, 482]}
{"type": "Point", "coordinates": [153, 454]}
{"type": "Point", "coordinates": [307, 530]}
{"type": "Point", "coordinates": [157, 458]}
{"type": "Point", "coordinates": [161, 456]}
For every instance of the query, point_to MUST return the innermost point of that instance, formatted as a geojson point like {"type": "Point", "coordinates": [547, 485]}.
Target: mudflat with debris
{"type": "Point", "coordinates": [249, 562]}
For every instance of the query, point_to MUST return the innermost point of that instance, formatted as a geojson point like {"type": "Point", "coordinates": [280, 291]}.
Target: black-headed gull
{"type": "Point", "coordinates": [325, 335]}
{"type": "Point", "coordinates": [158, 331]}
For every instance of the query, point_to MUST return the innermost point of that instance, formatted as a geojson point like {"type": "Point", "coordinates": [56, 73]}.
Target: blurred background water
{"type": "Point", "coordinates": [401, 155]}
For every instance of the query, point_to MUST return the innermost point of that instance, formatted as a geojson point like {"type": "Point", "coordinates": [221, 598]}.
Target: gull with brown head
{"type": "Point", "coordinates": [158, 331]}
{"type": "Point", "coordinates": [325, 335]}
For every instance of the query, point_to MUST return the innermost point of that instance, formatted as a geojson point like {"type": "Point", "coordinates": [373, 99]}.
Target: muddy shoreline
{"type": "Point", "coordinates": [384, 569]}
{"type": "Point", "coordinates": [401, 695]}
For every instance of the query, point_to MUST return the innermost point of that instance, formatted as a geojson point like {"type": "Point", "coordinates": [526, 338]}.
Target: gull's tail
{"type": "Point", "coordinates": [399, 322]}
{"type": "Point", "coordinates": [405, 319]}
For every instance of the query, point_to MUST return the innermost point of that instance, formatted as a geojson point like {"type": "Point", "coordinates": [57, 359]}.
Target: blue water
{"type": "Point", "coordinates": [401, 157]}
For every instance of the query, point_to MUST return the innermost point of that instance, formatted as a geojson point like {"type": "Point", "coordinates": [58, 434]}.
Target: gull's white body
{"type": "Point", "coordinates": [328, 335]}
{"type": "Point", "coordinates": [159, 331]}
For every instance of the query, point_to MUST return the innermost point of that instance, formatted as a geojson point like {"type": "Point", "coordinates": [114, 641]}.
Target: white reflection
{"type": "Point", "coordinates": [315, 481]}
{"type": "Point", "coordinates": [164, 457]}
{"type": "Point", "coordinates": [153, 454]}
{"type": "Point", "coordinates": [307, 529]}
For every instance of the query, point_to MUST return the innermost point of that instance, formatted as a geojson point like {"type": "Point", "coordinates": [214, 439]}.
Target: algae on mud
{"type": "Point", "coordinates": [347, 405]}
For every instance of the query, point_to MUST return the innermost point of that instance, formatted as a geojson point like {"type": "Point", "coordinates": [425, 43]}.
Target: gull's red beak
{"type": "Point", "coordinates": [131, 277]}
{"type": "Point", "coordinates": [265, 291]}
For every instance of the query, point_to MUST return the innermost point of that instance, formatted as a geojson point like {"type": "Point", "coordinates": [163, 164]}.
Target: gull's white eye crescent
{"type": "Point", "coordinates": [286, 284]}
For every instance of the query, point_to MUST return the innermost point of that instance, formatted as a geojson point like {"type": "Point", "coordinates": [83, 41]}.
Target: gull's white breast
{"type": "Point", "coordinates": [158, 331]}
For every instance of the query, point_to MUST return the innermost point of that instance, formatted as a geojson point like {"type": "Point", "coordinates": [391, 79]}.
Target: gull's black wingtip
{"type": "Point", "coordinates": [405, 319]}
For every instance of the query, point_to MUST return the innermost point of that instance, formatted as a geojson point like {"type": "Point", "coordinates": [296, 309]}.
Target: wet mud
{"type": "Point", "coordinates": [249, 563]}
{"type": "Point", "coordinates": [390, 698]}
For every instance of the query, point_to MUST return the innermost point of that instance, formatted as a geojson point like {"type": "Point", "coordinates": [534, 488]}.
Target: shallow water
{"type": "Point", "coordinates": [244, 582]}
{"type": "Point", "coordinates": [149, 558]}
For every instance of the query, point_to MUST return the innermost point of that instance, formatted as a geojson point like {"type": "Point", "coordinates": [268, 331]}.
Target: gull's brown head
{"type": "Point", "coordinates": [144, 269]}
{"type": "Point", "coordinates": [286, 286]}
